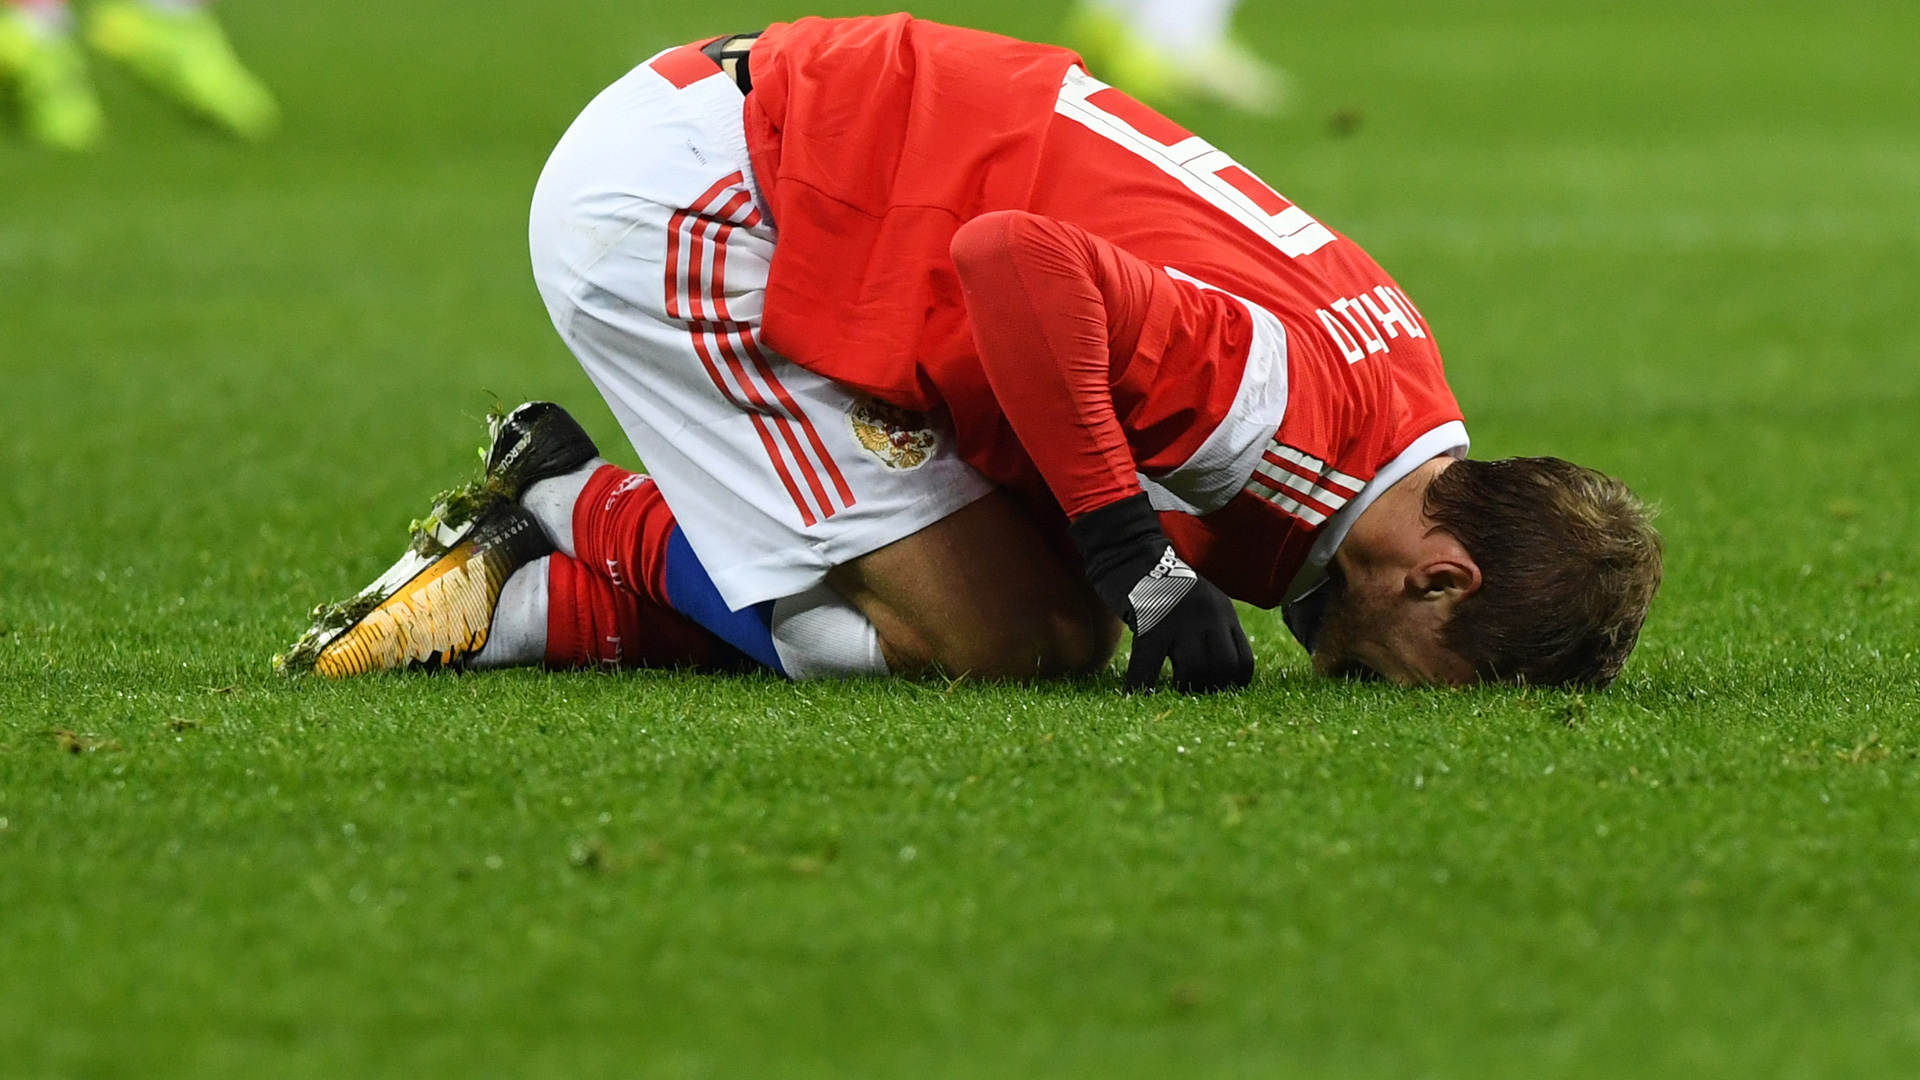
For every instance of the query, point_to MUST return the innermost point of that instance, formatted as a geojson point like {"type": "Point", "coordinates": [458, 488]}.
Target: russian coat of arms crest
{"type": "Point", "coordinates": [901, 439]}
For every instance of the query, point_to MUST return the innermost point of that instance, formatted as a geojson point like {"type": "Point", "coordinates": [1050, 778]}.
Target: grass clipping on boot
{"type": "Point", "coordinates": [430, 537]}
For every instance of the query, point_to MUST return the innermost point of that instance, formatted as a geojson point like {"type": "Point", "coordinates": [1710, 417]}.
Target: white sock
{"type": "Point", "coordinates": [551, 504]}
{"type": "Point", "coordinates": [518, 637]}
{"type": "Point", "coordinates": [818, 635]}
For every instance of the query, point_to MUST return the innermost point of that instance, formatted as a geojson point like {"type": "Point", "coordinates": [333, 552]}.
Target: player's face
{"type": "Point", "coordinates": [1371, 630]}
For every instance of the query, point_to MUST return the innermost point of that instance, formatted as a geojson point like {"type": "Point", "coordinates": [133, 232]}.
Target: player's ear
{"type": "Point", "coordinates": [1443, 571]}
{"type": "Point", "coordinates": [1448, 577]}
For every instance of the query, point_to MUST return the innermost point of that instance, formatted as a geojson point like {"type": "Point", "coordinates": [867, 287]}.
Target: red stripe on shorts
{"type": "Point", "coordinates": [722, 330]}
{"type": "Point", "coordinates": [697, 266]}
{"type": "Point", "coordinates": [693, 287]}
{"type": "Point", "coordinates": [676, 282]}
{"type": "Point", "coordinates": [785, 418]}
{"type": "Point", "coordinates": [673, 262]}
{"type": "Point", "coordinates": [806, 422]}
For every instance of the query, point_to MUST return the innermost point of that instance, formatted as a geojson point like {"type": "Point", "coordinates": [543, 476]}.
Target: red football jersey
{"type": "Point", "coordinates": [873, 140]}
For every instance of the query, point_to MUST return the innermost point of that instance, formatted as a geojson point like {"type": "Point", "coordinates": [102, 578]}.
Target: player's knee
{"type": "Point", "coordinates": [1082, 642]}
{"type": "Point", "coordinates": [1070, 640]}
{"type": "Point", "coordinates": [1053, 645]}
{"type": "Point", "coordinates": [980, 593]}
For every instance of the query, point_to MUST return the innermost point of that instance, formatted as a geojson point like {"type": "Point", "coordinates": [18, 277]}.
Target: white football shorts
{"type": "Point", "coordinates": [651, 249]}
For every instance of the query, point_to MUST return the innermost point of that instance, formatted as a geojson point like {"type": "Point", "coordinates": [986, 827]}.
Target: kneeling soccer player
{"type": "Point", "coordinates": [942, 353]}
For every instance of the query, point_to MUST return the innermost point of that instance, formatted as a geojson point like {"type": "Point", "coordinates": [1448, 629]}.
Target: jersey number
{"type": "Point", "coordinates": [1207, 172]}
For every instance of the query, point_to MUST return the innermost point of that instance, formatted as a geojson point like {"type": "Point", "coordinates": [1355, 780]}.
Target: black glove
{"type": "Point", "coordinates": [1174, 613]}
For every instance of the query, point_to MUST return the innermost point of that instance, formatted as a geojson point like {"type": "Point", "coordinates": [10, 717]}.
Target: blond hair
{"type": "Point", "coordinates": [1569, 563]}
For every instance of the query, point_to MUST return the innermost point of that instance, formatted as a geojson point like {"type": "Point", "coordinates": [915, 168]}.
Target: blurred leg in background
{"type": "Point", "coordinates": [40, 61]}
{"type": "Point", "coordinates": [174, 46]}
{"type": "Point", "coordinates": [1165, 51]}
{"type": "Point", "coordinates": [178, 48]}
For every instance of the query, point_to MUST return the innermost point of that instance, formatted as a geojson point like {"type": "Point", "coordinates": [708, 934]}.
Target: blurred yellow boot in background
{"type": "Point", "coordinates": [1212, 68]}
{"type": "Point", "coordinates": [39, 58]}
{"type": "Point", "coordinates": [182, 51]}
{"type": "Point", "coordinates": [1117, 56]}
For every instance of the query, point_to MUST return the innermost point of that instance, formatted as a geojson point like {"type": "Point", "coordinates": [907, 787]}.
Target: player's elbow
{"type": "Point", "coordinates": [993, 250]}
{"type": "Point", "coordinates": [986, 242]}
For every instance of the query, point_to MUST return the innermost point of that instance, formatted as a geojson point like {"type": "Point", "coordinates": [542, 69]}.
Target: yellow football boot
{"type": "Point", "coordinates": [58, 107]}
{"type": "Point", "coordinates": [434, 608]}
{"type": "Point", "coordinates": [183, 53]}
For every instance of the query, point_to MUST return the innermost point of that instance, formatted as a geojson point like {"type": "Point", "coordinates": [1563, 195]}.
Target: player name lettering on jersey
{"type": "Point", "coordinates": [1370, 322]}
{"type": "Point", "coordinates": [1205, 170]}
{"type": "Point", "coordinates": [1301, 484]}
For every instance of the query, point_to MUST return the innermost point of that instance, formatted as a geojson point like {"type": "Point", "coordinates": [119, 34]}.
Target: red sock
{"type": "Point", "coordinates": [608, 605]}
{"type": "Point", "coordinates": [620, 529]}
{"type": "Point", "coordinates": [593, 623]}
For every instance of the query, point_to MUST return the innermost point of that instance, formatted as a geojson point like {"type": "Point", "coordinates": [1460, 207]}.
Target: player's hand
{"type": "Point", "coordinates": [1201, 634]}
{"type": "Point", "coordinates": [1174, 613]}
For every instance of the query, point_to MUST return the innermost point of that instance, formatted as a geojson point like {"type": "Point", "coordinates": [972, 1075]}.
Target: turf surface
{"type": "Point", "coordinates": [1680, 242]}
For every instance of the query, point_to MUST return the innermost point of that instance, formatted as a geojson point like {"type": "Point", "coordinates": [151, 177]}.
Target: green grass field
{"type": "Point", "coordinates": [1680, 242]}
